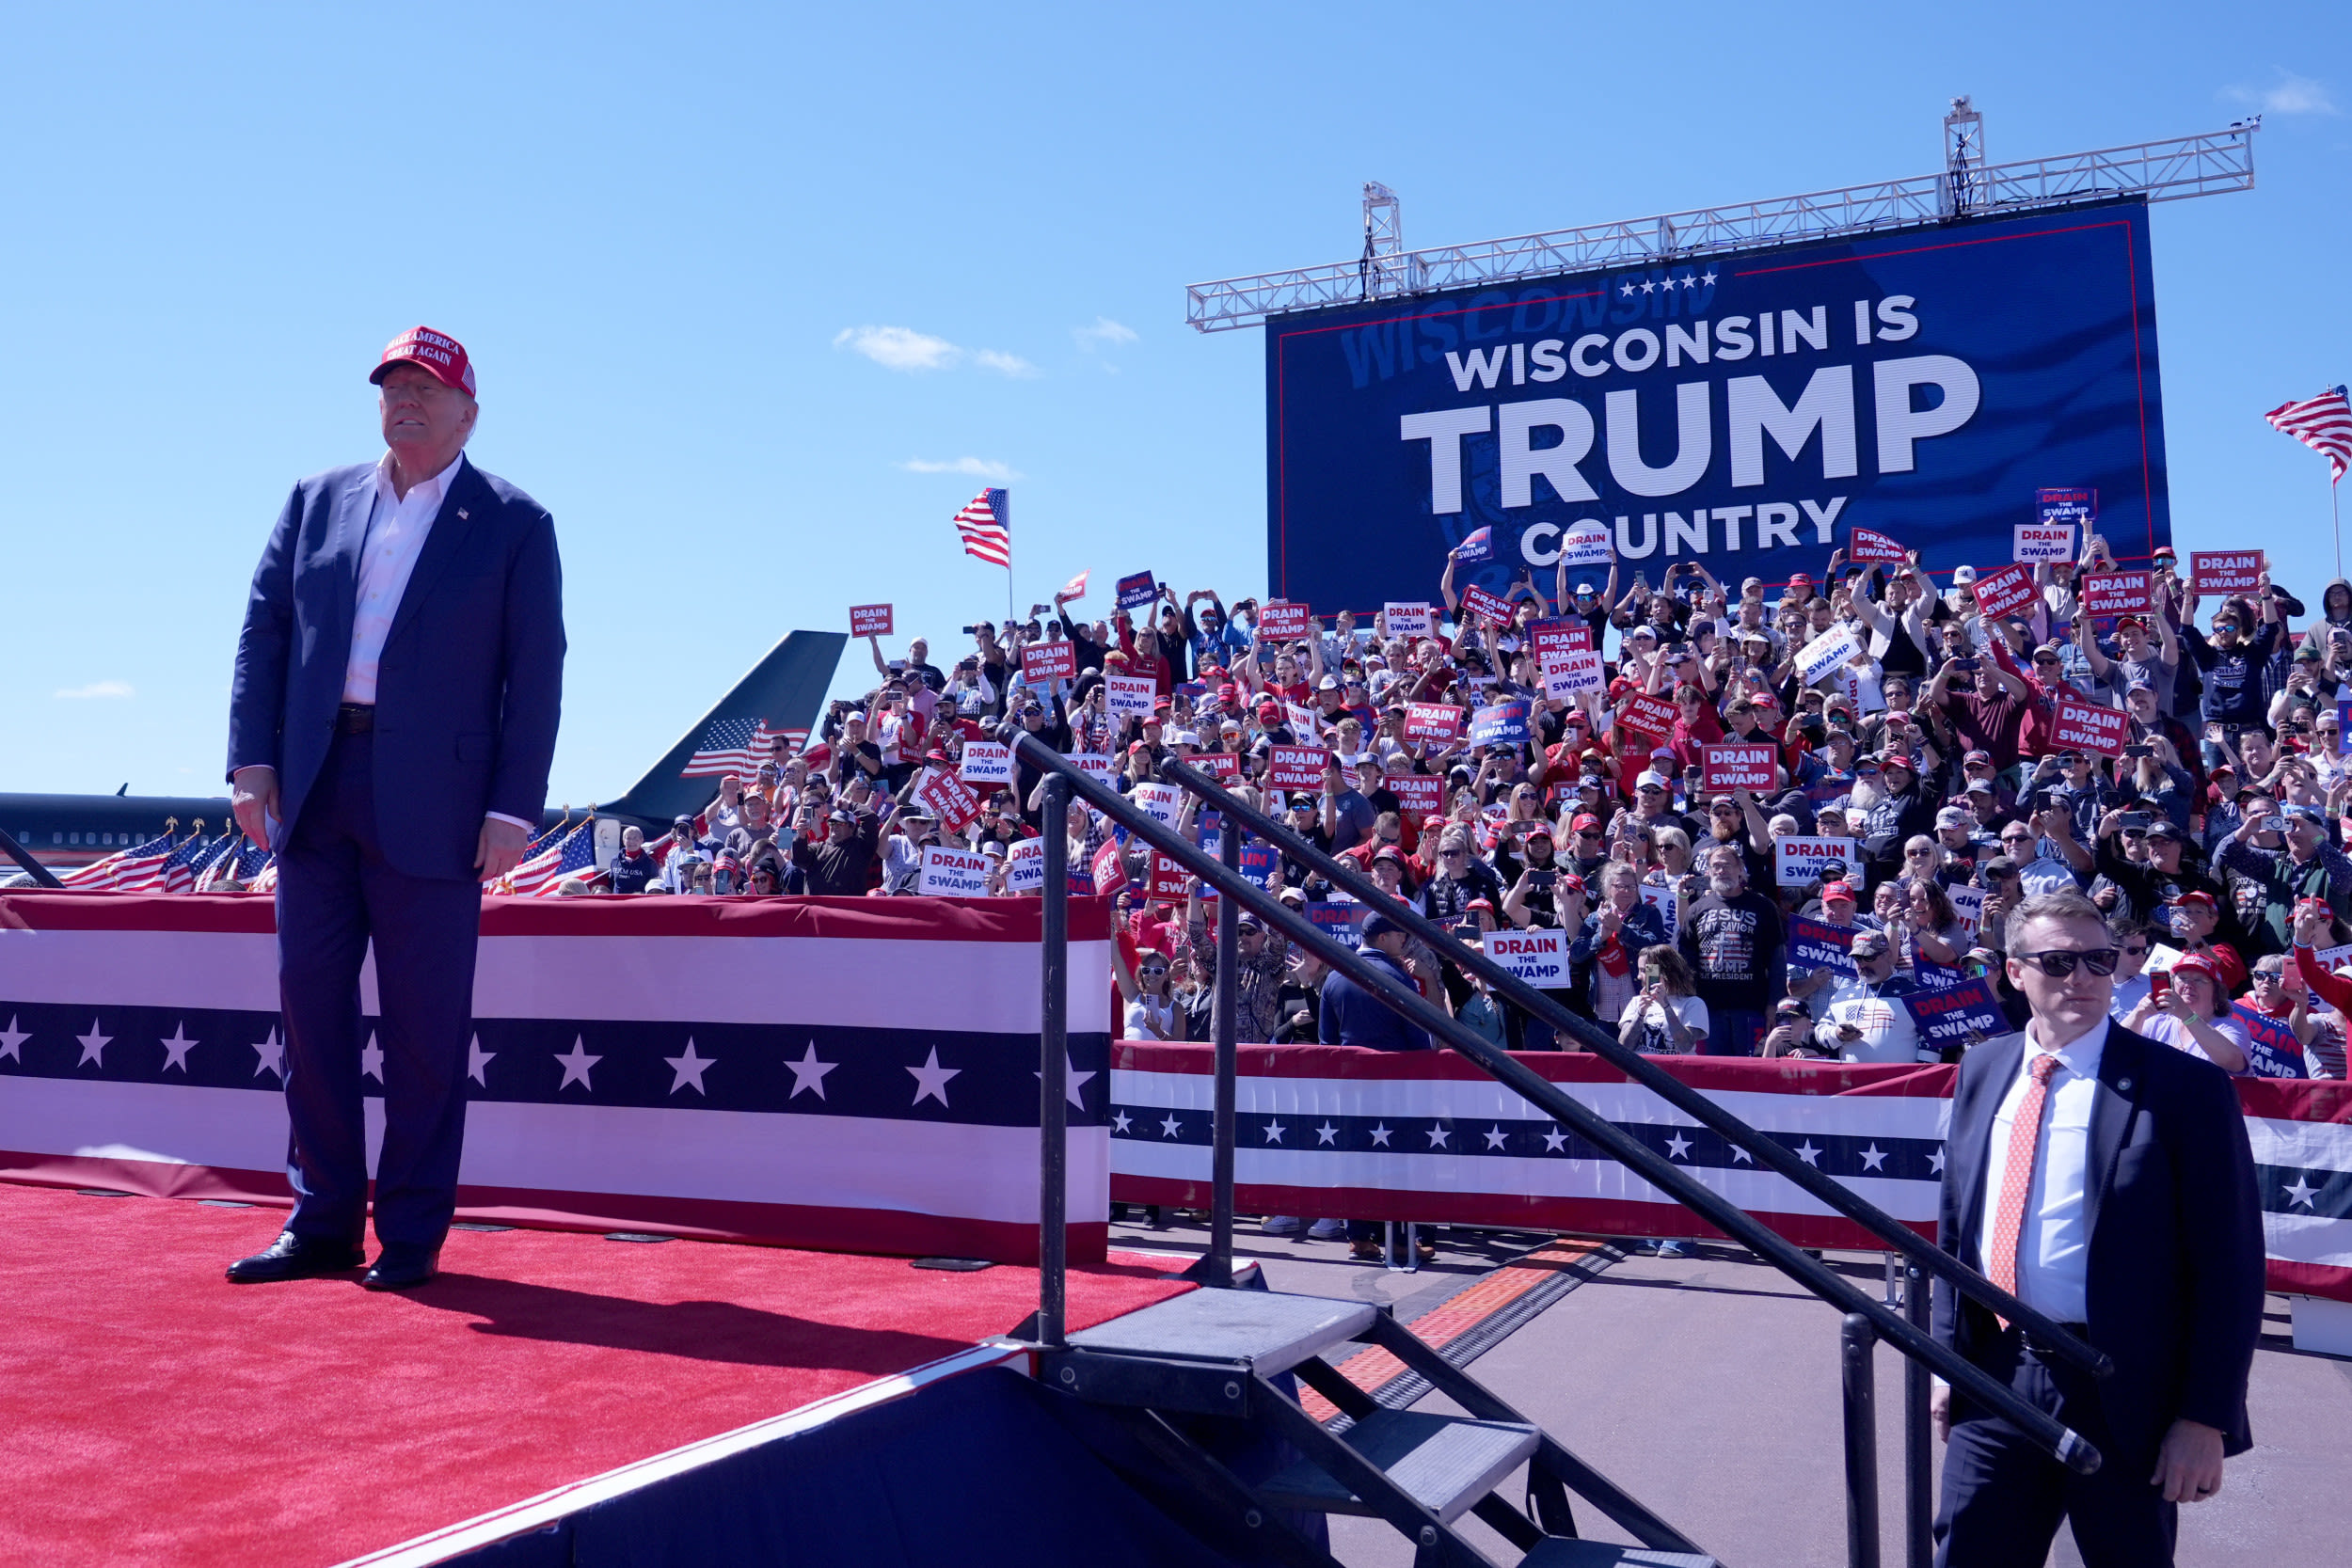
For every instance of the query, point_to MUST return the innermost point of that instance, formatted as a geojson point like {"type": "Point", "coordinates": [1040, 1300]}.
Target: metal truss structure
{"type": "Point", "coordinates": [2212, 164]}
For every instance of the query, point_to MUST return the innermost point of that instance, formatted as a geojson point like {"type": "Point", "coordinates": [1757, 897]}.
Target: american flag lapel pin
{"type": "Point", "coordinates": [461, 513]}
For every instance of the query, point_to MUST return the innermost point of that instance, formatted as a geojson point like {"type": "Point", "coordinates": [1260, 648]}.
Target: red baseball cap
{"type": "Point", "coordinates": [437, 352]}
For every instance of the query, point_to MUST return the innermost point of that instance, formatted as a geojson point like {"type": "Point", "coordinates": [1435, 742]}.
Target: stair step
{"type": "Point", "coordinates": [1443, 1463]}
{"type": "Point", "coordinates": [1558, 1552]}
{"type": "Point", "coordinates": [1266, 1331]}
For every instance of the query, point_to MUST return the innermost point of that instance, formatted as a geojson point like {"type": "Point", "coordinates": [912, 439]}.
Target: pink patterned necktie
{"type": "Point", "coordinates": [2024, 1137]}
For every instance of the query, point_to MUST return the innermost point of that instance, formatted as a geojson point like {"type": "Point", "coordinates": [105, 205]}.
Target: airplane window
{"type": "Point", "coordinates": [74, 838]}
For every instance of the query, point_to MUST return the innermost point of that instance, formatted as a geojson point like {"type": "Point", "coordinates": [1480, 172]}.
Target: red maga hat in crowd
{"type": "Point", "coordinates": [439, 353]}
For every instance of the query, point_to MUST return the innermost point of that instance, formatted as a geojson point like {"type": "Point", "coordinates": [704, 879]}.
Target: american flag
{"type": "Point", "coordinates": [986, 524]}
{"type": "Point", "coordinates": [242, 864]}
{"type": "Point", "coordinates": [192, 860]}
{"type": "Point", "coordinates": [2323, 424]}
{"type": "Point", "coordinates": [539, 874]}
{"type": "Point", "coordinates": [734, 746]}
{"type": "Point", "coordinates": [133, 863]}
{"type": "Point", "coordinates": [545, 841]}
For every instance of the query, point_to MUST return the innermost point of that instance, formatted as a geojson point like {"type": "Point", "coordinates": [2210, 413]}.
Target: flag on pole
{"type": "Point", "coordinates": [141, 869]}
{"type": "Point", "coordinates": [986, 524]}
{"type": "Point", "coordinates": [1076, 587]}
{"type": "Point", "coordinates": [110, 872]}
{"type": "Point", "coordinates": [183, 875]}
{"type": "Point", "coordinates": [2323, 424]}
{"type": "Point", "coordinates": [543, 871]}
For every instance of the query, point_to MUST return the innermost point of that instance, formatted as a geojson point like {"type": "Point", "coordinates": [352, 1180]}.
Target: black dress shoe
{"type": "Point", "coordinates": [398, 1268]}
{"type": "Point", "coordinates": [293, 1257]}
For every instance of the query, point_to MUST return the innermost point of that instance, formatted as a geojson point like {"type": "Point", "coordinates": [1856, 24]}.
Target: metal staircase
{"type": "Point", "coordinates": [1239, 1355]}
{"type": "Point", "coordinates": [1224, 1353]}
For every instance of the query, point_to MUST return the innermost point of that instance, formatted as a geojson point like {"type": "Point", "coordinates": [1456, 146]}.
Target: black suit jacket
{"type": "Point", "coordinates": [2176, 1262]}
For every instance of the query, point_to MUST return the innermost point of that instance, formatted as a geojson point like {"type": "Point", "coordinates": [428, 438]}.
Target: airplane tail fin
{"type": "Point", "coordinates": [782, 691]}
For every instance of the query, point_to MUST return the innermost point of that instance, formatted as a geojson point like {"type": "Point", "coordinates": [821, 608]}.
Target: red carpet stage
{"type": "Point", "coordinates": [158, 1414]}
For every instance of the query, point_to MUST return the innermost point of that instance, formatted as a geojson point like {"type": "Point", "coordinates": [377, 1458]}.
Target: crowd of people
{"type": "Point", "coordinates": [2211, 836]}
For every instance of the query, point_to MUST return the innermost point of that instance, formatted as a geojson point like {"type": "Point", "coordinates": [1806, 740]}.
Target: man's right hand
{"type": "Point", "coordinates": [253, 800]}
{"type": "Point", "coordinates": [1940, 1411]}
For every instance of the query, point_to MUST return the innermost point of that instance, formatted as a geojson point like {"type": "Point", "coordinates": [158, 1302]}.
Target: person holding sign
{"type": "Point", "coordinates": [1864, 1020]}
{"type": "Point", "coordinates": [2143, 1227]}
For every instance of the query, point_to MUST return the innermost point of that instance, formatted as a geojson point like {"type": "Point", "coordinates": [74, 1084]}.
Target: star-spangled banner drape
{"type": "Point", "coordinates": [1421, 1135]}
{"type": "Point", "coordinates": [141, 1049]}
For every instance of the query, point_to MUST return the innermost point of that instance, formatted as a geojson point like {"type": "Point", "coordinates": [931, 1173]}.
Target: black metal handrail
{"type": "Point", "coordinates": [2069, 1447]}
{"type": "Point", "coordinates": [33, 868]}
{"type": "Point", "coordinates": [1701, 1108]}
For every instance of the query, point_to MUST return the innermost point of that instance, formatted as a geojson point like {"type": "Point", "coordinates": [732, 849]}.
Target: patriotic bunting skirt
{"type": "Point", "coordinates": [1325, 1131]}
{"type": "Point", "coordinates": [852, 1074]}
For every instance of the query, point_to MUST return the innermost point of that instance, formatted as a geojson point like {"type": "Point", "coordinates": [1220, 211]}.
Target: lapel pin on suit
{"type": "Point", "coordinates": [2124, 1084]}
{"type": "Point", "coordinates": [461, 513]}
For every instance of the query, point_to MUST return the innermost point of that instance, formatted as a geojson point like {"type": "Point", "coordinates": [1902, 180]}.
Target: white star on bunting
{"type": "Point", "coordinates": [1495, 1137]}
{"type": "Point", "coordinates": [1072, 1082]}
{"type": "Point", "coordinates": [808, 1074]}
{"type": "Point", "coordinates": [1677, 1146]}
{"type": "Point", "coordinates": [1741, 1155]}
{"type": "Point", "coordinates": [1274, 1130]}
{"type": "Point", "coordinates": [1169, 1128]}
{"type": "Point", "coordinates": [689, 1068]}
{"type": "Point", "coordinates": [371, 1058]}
{"type": "Point", "coordinates": [1121, 1122]}
{"type": "Point", "coordinates": [1809, 1154]}
{"type": "Point", "coordinates": [1380, 1134]}
{"type": "Point", "coordinates": [577, 1065]}
{"type": "Point", "coordinates": [93, 1046]}
{"type": "Point", "coordinates": [478, 1061]}
{"type": "Point", "coordinates": [1328, 1133]}
{"type": "Point", "coordinates": [2301, 1193]}
{"type": "Point", "coordinates": [1874, 1159]}
{"type": "Point", "coordinates": [1437, 1136]}
{"type": "Point", "coordinates": [1554, 1141]}
{"type": "Point", "coordinates": [175, 1048]}
{"type": "Point", "coordinates": [12, 1042]}
{"type": "Point", "coordinates": [930, 1080]}
{"type": "Point", "coordinates": [1935, 1161]}
{"type": "Point", "coordinates": [272, 1054]}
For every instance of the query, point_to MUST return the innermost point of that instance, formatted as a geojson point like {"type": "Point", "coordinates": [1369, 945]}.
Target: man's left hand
{"type": "Point", "coordinates": [499, 849]}
{"type": "Point", "coordinates": [2188, 1466]}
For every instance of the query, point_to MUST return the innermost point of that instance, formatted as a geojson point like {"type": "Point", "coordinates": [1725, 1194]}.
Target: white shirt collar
{"type": "Point", "coordinates": [430, 491]}
{"type": "Point", "coordinates": [2080, 1055]}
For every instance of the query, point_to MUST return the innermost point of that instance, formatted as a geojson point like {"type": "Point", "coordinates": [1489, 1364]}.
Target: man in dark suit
{"type": "Point", "coordinates": [2105, 1180]}
{"type": "Point", "coordinates": [394, 716]}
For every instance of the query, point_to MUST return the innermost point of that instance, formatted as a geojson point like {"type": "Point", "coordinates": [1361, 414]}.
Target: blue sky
{"type": "Point", "coordinates": [749, 292]}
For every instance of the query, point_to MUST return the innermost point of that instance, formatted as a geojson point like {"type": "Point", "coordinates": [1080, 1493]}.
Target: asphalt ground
{"type": "Point", "coordinates": [1708, 1387]}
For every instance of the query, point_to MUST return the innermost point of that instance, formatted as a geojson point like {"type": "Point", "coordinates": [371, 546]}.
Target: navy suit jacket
{"type": "Point", "coordinates": [470, 686]}
{"type": "Point", "coordinates": [2176, 1264]}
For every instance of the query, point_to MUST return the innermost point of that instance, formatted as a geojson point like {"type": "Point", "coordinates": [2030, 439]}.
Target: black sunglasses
{"type": "Point", "coordinates": [2058, 962]}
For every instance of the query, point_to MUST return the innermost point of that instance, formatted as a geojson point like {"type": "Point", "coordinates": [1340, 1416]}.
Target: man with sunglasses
{"type": "Point", "coordinates": [2107, 1181]}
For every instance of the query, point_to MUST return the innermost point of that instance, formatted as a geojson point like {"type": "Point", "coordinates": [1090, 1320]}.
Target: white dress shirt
{"type": "Point", "coordinates": [2054, 1242]}
{"type": "Point", "coordinates": [397, 527]}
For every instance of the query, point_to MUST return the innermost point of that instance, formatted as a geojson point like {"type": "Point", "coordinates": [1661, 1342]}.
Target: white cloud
{"type": "Point", "coordinates": [898, 348]}
{"type": "Point", "coordinates": [95, 688]}
{"type": "Point", "coordinates": [1103, 334]}
{"type": "Point", "coordinates": [1007, 364]}
{"type": "Point", "coordinates": [977, 467]}
{"type": "Point", "coordinates": [902, 348]}
{"type": "Point", "coordinates": [2290, 95]}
